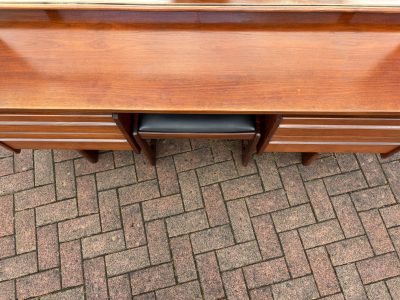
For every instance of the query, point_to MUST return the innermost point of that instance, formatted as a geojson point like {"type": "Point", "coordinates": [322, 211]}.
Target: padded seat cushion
{"type": "Point", "coordinates": [187, 123]}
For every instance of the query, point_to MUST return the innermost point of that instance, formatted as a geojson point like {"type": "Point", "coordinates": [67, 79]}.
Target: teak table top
{"type": "Point", "coordinates": [201, 62]}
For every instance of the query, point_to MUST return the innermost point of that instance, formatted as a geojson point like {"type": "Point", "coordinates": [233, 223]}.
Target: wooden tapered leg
{"type": "Point", "coordinates": [250, 149]}
{"type": "Point", "coordinates": [308, 158]}
{"type": "Point", "coordinates": [10, 148]}
{"type": "Point", "coordinates": [390, 153]}
{"type": "Point", "coordinates": [147, 149]}
{"type": "Point", "coordinates": [90, 155]}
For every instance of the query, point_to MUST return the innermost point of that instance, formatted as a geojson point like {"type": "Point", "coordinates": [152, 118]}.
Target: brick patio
{"type": "Point", "coordinates": [199, 225]}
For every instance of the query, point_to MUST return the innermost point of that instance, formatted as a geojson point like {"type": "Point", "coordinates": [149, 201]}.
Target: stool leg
{"type": "Point", "coordinates": [308, 158]}
{"type": "Point", "coordinates": [90, 155]}
{"type": "Point", "coordinates": [250, 149]}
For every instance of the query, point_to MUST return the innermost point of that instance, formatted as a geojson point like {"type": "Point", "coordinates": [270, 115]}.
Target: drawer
{"type": "Point", "coordinates": [75, 144]}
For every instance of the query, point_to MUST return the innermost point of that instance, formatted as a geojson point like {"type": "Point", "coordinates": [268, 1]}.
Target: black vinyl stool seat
{"type": "Point", "coordinates": [189, 123]}
{"type": "Point", "coordinates": [158, 126]}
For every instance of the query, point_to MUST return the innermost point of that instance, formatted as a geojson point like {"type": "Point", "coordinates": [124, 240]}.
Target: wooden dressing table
{"type": "Point", "coordinates": [324, 73]}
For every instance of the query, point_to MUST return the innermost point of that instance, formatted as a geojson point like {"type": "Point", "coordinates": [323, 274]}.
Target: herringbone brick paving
{"type": "Point", "coordinates": [199, 225]}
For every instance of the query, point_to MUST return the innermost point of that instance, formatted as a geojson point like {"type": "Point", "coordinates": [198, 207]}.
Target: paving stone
{"type": "Point", "coordinates": [240, 221]}
{"type": "Point", "coordinates": [210, 279]}
{"type": "Point", "coordinates": [127, 261]}
{"type": "Point", "coordinates": [217, 173]}
{"type": "Point", "coordinates": [7, 246]}
{"type": "Point", "coordinates": [193, 160]}
{"type": "Point", "coordinates": [321, 233]}
{"type": "Point", "coordinates": [267, 238]}
{"type": "Point", "coordinates": [347, 162]}
{"type": "Point", "coordinates": [167, 177]}
{"type": "Point", "coordinates": [65, 180]}
{"type": "Point", "coordinates": [266, 273]}
{"type": "Point", "coordinates": [379, 268]}
{"type": "Point", "coordinates": [152, 278]}
{"type": "Point", "coordinates": [44, 168]}
{"type": "Point", "coordinates": [144, 170]}
{"type": "Point", "coordinates": [372, 169]}
{"type": "Point", "coordinates": [23, 161]}
{"type": "Point", "coordinates": [395, 236]}
{"type": "Point", "coordinates": [7, 289]}
{"type": "Point", "coordinates": [109, 210]}
{"type": "Point", "coordinates": [212, 239]}
{"type": "Point", "coordinates": [119, 287]}
{"type": "Point", "coordinates": [56, 212]}
{"type": "Point", "coordinates": [347, 216]}
{"type": "Point", "coordinates": [47, 244]}
{"type": "Point", "coordinates": [183, 259]}
{"type": "Point", "coordinates": [103, 243]}
{"type": "Point", "coordinates": [162, 207]}
{"type": "Point", "coordinates": [25, 233]}
{"type": "Point", "coordinates": [123, 158]}
{"type": "Point", "coordinates": [284, 159]}
{"type": "Point", "coordinates": [34, 197]}
{"type": "Point", "coordinates": [350, 282]}
{"type": "Point", "coordinates": [241, 187]}
{"type": "Point", "coordinates": [83, 166]}
{"type": "Point", "coordinates": [378, 290]}
{"type": "Point", "coordinates": [6, 215]}
{"type": "Point", "coordinates": [238, 256]}
{"type": "Point", "coordinates": [133, 226]}
{"type": "Point", "coordinates": [38, 284]}
{"type": "Point", "coordinates": [61, 155]}
{"type": "Point", "coordinates": [189, 291]}
{"type": "Point", "coordinates": [215, 206]}
{"type": "Point", "coordinates": [190, 190]}
{"type": "Point", "coordinates": [391, 215]}
{"type": "Point", "coordinates": [268, 172]}
{"type": "Point", "coordinates": [293, 185]}
{"type": "Point", "coordinates": [263, 293]}
{"type": "Point", "coordinates": [139, 192]}
{"type": "Point", "coordinates": [6, 166]}
{"type": "Point", "coordinates": [373, 198]}
{"type": "Point", "coordinates": [71, 294]}
{"type": "Point", "coordinates": [116, 178]}
{"type": "Point", "coordinates": [95, 279]}
{"type": "Point", "coordinates": [157, 242]}
{"type": "Point", "coordinates": [235, 284]}
{"type": "Point", "coordinates": [392, 171]}
{"type": "Point", "coordinates": [187, 222]}
{"type": "Point", "coordinates": [324, 167]}
{"type": "Point", "coordinates": [350, 250]}
{"type": "Point", "coordinates": [394, 287]}
{"type": "Point", "coordinates": [16, 182]}
{"type": "Point", "coordinates": [345, 183]}
{"type": "Point", "coordinates": [71, 263]}
{"type": "Point", "coordinates": [301, 288]}
{"type": "Point", "coordinates": [87, 195]}
{"type": "Point", "coordinates": [294, 217]}
{"type": "Point", "coordinates": [320, 200]}
{"type": "Point", "coordinates": [79, 227]}
{"type": "Point", "coordinates": [167, 147]}
{"type": "Point", "coordinates": [18, 266]}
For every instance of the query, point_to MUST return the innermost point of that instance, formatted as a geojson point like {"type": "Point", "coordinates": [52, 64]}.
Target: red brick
{"type": "Point", "coordinates": [350, 281]}
{"type": "Point", "coordinates": [123, 158]}
{"type": "Point", "coordinates": [79, 227]}
{"type": "Point", "coordinates": [321, 233]}
{"type": "Point", "coordinates": [144, 170]}
{"type": "Point", "coordinates": [35, 197]}
{"type": "Point", "coordinates": [347, 216]}
{"type": "Point", "coordinates": [119, 288]}
{"type": "Point", "coordinates": [6, 166]}
{"type": "Point", "coordinates": [217, 173]}
{"type": "Point", "coordinates": [373, 198]}
{"type": "Point", "coordinates": [44, 172]}
{"type": "Point", "coordinates": [23, 161]}
{"type": "Point", "coordinates": [293, 185]}
{"type": "Point", "coordinates": [115, 178]}
{"type": "Point", "coordinates": [376, 232]}
{"type": "Point", "coordinates": [391, 215]}
{"type": "Point", "coordinates": [214, 204]}
{"type": "Point", "coordinates": [240, 221]}
{"type": "Point", "coordinates": [371, 169]}
{"type": "Point", "coordinates": [95, 278]}
{"type": "Point", "coordinates": [241, 187]}
{"type": "Point", "coordinates": [71, 264]}
{"type": "Point", "coordinates": [6, 215]}
{"type": "Point", "coordinates": [157, 242]}
{"type": "Point", "coordinates": [212, 239]}
{"type": "Point", "coordinates": [268, 172]}
{"type": "Point", "coordinates": [324, 167]}
{"type": "Point", "coordinates": [187, 222]}
{"type": "Point", "coordinates": [190, 190]}
{"type": "Point", "coordinates": [162, 207]}
{"type": "Point", "coordinates": [379, 268]}
{"type": "Point", "coordinates": [56, 212]}
{"type": "Point", "coordinates": [47, 243]}
{"type": "Point", "coordinates": [300, 288]}
{"type": "Point", "coordinates": [266, 273]}
{"type": "Point", "coordinates": [235, 285]}
{"type": "Point", "coordinates": [349, 250]}
{"type": "Point", "coordinates": [394, 287]}
{"type": "Point", "coordinates": [193, 160]}
{"type": "Point", "coordinates": [345, 183]}
{"type": "Point", "coordinates": [139, 192]}
{"type": "Point", "coordinates": [71, 294]}
{"type": "Point", "coordinates": [323, 271]}
{"type": "Point", "coordinates": [25, 233]}
{"type": "Point", "coordinates": [126, 261]}
{"type": "Point", "coordinates": [152, 278]}
{"type": "Point", "coordinates": [378, 291]}
{"type": "Point", "coordinates": [320, 200]}
{"type": "Point", "coordinates": [133, 226]}
{"type": "Point", "coordinates": [238, 255]}
{"type": "Point", "coordinates": [267, 238]}
{"type": "Point", "coordinates": [18, 266]}
{"type": "Point", "coordinates": [109, 210]}
{"type": "Point", "coordinates": [38, 284]}
{"type": "Point", "coordinates": [263, 293]}
{"type": "Point", "coordinates": [87, 195]}
{"type": "Point", "coordinates": [190, 290]}
{"type": "Point", "coordinates": [65, 180]}
{"type": "Point", "coordinates": [294, 217]}
{"type": "Point", "coordinates": [267, 202]}
{"type": "Point", "coordinates": [294, 254]}
{"type": "Point", "coordinates": [167, 177]}
{"type": "Point", "coordinates": [16, 182]}
{"type": "Point", "coordinates": [7, 290]}
{"type": "Point", "coordinates": [210, 278]}
{"type": "Point", "coordinates": [104, 243]}
{"type": "Point", "coordinates": [7, 246]}
{"type": "Point", "coordinates": [183, 259]}
{"type": "Point", "coordinates": [83, 166]}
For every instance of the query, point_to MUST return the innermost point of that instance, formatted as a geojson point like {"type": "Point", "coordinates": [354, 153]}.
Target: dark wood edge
{"type": "Point", "coordinates": [269, 125]}
{"type": "Point", "coordinates": [161, 135]}
{"type": "Point", "coordinates": [390, 153]}
{"type": "Point", "coordinates": [308, 158]}
{"type": "Point", "coordinates": [4, 145]}
{"type": "Point", "coordinates": [124, 122]}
